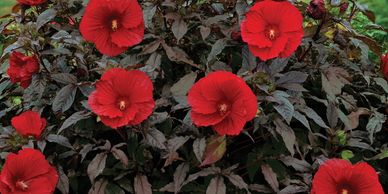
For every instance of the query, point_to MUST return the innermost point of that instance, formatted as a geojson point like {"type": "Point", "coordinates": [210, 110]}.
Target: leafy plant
{"type": "Point", "coordinates": [327, 100]}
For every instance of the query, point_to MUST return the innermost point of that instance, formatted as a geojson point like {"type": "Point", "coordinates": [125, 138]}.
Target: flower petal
{"type": "Point", "coordinates": [126, 38]}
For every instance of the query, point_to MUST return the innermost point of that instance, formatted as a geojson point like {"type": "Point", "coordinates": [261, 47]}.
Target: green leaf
{"type": "Point", "coordinates": [347, 154]}
{"type": "Point", "coordinates": [113, 189]}
{"type": "Point", "coordinates": [341, 135]}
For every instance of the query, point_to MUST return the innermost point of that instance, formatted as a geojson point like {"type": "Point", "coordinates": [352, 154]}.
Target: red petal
{"type": "Point", "coordinates": [127, 37]}
{"type": "Point", "coordinates": [31, 2]}
{"type": "Point", "coordinates": [27, 164]}
{"type": "Point", "coordinates": [115, 122]}
{"type": "Point", "coordinates": [108, 110]}
{"type": "Point", "coordinates": [329, 174]}
{"type": "Point", "coordinates": [133, 15]}
{"type": "Point", "coordinates": [44, 184]}
{"type": "Point", "coordinates": [145, 109]}
{"type": "Point", "coordinates": [25, 83]}
{"type": "Point", "coordinates": [250, 103]}
{"type": "Point", "coordinates": [106, 94]}
{"type": "Point", "coordinates": [256, 39]}
{"type": "Point", "coordinates": [213, 83]}
{"type": "Point", "coordinates": [29, 123]}
{"type": "Point", "coordinates": [254, 22]}
{"type": "Point", "coordinates": [94, 21]}
{"type": "Point", "coordinates": [271, 11]}
{"type": "Point", "coordinates": [126, 82]}
{"type": "Point", "coordinates": [365, 179]}
{"type": "Point", "coordinates": [95, 25]}
{"type": "Point", "coordinates": [134, 87]}
{"type": "Point", "coordinates": [198, 101]}
{"type": "Point", "coordinates": [231, 125]}
{"type": "Point", "coordinates": [105, 45]}
{"type": "Point", "coordinates": [270, 52]}
{"type": "Point", "coordinates": [206, 119]}
{"type": "Point", "coordinates": [292, 19]}
{"type": "Point", "coordinates": [111, 73]}
{"type": "Point", "coordinates": [294, 41]}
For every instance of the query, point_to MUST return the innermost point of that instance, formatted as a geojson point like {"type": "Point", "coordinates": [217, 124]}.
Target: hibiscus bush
{"type": "Point", "coordinates": [193, 96]}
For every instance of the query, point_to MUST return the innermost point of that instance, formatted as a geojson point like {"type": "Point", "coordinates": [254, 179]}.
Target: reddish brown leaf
{"type": "Point", "coordinates": [214, 151]}
{"type": "Point", "coordinates": [270, 177]}
{"type": "Point", "coordinates": [141, 185]}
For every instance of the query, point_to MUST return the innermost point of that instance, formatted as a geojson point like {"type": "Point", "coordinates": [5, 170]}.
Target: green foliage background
{"type": "Point", "coordinates": [379, 7]}
{"type": "Point", "coordinates": [6, 6]}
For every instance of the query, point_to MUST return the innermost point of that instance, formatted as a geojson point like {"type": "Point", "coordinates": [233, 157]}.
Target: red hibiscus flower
{"type": "Point", "coordinates": [21, 68]}
{"type": "Point", "coordinates": [340, 176]}
{"type": "Point", "coordinates": [31, 2]}
{"type": "Point", "coordinates": [29, 123]}
{"type": "Point", "coordinates": [122, 97]}
{"type": "Point", "coordinates": [384, 65]}
{"type": "Point", "coordinates": [272, 29]}
{"type": "Point", "coordinates": [222, 100]}
{"type": "Point", "coordinates": [27, 172]}
{"type": "Point", "coordinates": [113, 25]}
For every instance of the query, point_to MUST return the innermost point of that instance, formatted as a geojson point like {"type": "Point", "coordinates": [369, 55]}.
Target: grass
{"type": "Point", "coordinates": [6, 6]}
{"type": "Point", "coordinates": [379, 8]}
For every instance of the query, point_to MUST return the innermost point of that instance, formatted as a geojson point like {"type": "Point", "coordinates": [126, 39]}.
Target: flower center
{"type": "Point", "coordinates": [122, 105]}
{"type": "Point", "coordinates": [272, 32]}
{"type": "Point", "coordinates": [344, 191]}
{"type": "Point", "coordinates": [223, 108]}
{"type": "Point", "coordinates": [115, 25]}
{"type": "Point", "coordinates": [21, 185]}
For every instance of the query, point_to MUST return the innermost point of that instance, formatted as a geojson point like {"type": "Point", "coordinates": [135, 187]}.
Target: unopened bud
{"type": "Point", "coordinates": [316, 9]}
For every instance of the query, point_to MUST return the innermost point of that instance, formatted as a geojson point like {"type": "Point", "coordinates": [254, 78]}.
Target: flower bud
{"type": "Point", "coordinates": [316, 9]}
{"type": "Point", "coordinates": [344, 6]}
{"type": "Point", "coordinates": [384, 65]}
{"type": "Point", "coordinates": [236, 35]}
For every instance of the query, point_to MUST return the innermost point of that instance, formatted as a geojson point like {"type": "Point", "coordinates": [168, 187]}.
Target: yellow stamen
{"type": "Point", "coordinates": [222, 108]}
{"type": "Point", "coordinates": [21, 185]}
{"type": "Point", "coordinates": [344, 191]}
{"type": "Point", "coordinates": [122, 105]}
{"type": "Point", "coordinates": [271, 34]}
{"type": "Point", "coordinates": [114, 25]}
